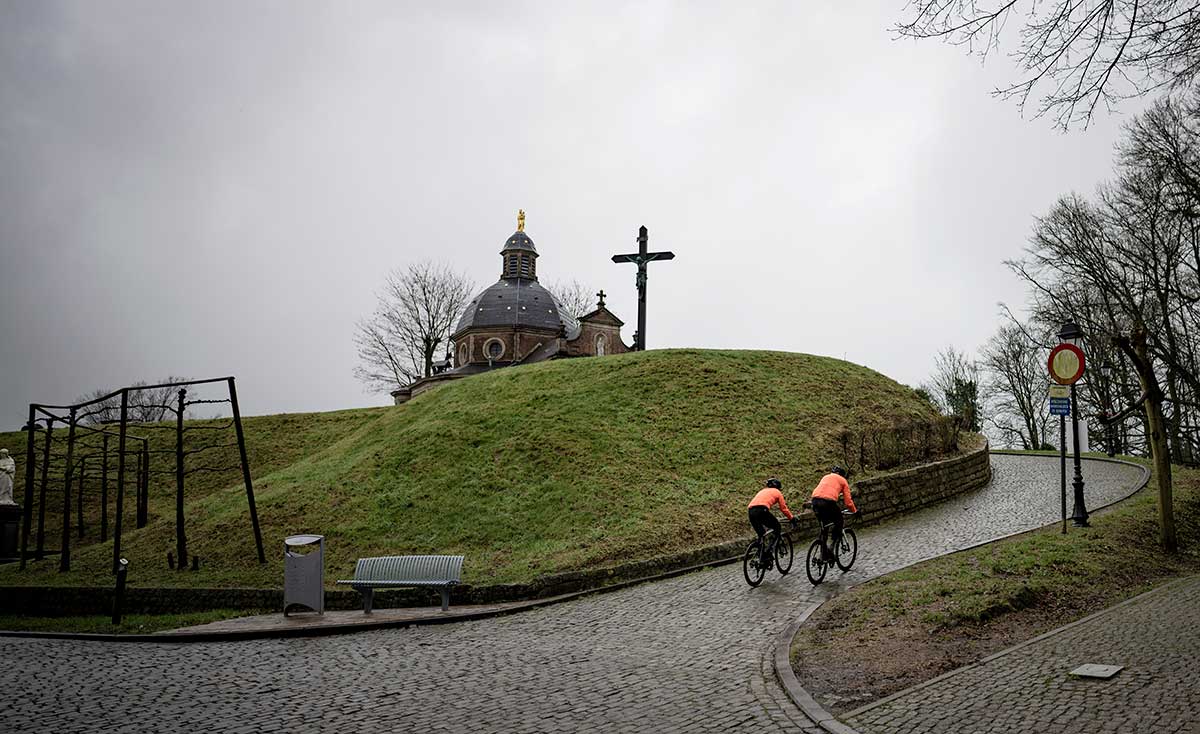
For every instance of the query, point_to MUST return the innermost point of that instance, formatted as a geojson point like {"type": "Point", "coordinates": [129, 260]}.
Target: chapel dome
{"type": "Point", "coordinates": [516, 302]}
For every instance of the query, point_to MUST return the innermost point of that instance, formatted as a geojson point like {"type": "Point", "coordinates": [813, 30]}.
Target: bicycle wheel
{"type": "Point", "coordinates": [751, 568]}
{"type": "Point", "coordinates": [847, 550]}
{"type": "Point", "coordinates": [783, 554]}
{"type": "Point", "coordinates": [815, 564]}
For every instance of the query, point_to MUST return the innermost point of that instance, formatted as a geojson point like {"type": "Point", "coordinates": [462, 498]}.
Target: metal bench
{"type": "Point", "coordinates": [438, 572]}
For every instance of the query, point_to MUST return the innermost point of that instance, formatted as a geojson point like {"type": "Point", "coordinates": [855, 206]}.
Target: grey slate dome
{"type": "Point", "coordinates": [515, 302]}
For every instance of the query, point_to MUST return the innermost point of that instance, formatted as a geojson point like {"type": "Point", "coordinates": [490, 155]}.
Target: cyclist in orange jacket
{"type": "Point", "coordinates": [761, 518]}
{"type": "Point", "coordinates": [832, 487]}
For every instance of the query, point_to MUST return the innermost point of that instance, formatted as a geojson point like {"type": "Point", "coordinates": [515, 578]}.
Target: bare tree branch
{"type": "Point", "coordinates": [417, 311]}
{"type": "Point", "coordinates": [1076, 53]}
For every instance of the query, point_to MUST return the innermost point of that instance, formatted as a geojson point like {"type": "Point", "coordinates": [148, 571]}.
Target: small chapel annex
{"type": "Point", "coordinates": [516, 321]}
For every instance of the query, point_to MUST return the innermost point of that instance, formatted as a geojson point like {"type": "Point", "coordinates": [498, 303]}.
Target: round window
{"type": "Point", "coordinates": [495, 348]}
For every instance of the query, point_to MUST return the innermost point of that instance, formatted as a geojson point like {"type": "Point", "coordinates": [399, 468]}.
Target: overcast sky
{"type": "Point", "coordinates": [219, 188]}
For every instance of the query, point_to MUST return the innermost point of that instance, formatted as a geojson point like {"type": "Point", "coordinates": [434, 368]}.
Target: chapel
{"type": "Point", "coordinates": [516, 321]}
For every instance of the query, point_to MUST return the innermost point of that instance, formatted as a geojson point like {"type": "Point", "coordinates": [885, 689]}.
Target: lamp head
{"type": "Point", "coordinates": [1070, 333]}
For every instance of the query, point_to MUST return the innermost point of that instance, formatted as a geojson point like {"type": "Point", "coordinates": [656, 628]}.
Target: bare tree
{"type": "Point", "coordinates": [417, 311]}
{"type": "Point", "coordinates": [146, 404]}
{"type": "Point", "coordinates": [954, 385]}
{"type": "Point", "coordinates": [1134, 347]}
{"type": "Point", "coordinates": [1015, 387]}
{"type": "Point", "coordinates": [575, 298]}
{"type": "Point", "coordinates": [1078, 53]}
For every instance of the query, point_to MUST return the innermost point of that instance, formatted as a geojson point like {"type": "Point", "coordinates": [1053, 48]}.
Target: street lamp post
{"type": "Point", "coordinates": [1070, 333]}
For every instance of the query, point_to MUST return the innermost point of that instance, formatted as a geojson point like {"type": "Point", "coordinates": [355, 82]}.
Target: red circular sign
{"type": "Point", "coordinates": [1065, 364]}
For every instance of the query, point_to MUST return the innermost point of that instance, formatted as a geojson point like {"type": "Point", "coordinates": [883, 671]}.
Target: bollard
{"type": "Point", "coordinates": [171, 560]}
{"type": "Point", "coordinates": [119, 596]}
{"type": "Point", "coordinates": [195, 563]}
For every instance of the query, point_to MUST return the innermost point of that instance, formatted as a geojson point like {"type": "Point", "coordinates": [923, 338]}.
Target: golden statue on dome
{"type": "Point", "coordinates": [520, 220]}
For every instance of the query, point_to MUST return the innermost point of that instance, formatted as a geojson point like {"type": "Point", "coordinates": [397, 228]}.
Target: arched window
{"type": "Point", "coordinates": [601, 345]}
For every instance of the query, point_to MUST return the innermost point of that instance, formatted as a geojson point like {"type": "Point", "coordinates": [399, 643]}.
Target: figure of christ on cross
{"type": "Point", "coordinates": [641, 258]}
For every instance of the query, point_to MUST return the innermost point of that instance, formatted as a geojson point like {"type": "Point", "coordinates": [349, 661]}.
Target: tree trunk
{"type": "Point", "coordinates": [430, 347]}
{"type": "Point", "coordinates": [1156, 435]}
{"type": "Point", "coordinates": [1162, 469]}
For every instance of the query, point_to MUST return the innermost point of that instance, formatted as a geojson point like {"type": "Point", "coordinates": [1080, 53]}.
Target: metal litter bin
{"type": "Point", "coordinates": [304, 572]}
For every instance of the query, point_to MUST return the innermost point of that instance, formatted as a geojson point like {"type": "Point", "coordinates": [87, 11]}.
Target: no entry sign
{"type": "Point", "coordinates": [1066, 364]}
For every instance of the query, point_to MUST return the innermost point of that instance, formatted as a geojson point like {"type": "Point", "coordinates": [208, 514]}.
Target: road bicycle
{"type": "Point", "coordinates": [771, 550]}
{"type": "Point", "coordinates": [844, 552]}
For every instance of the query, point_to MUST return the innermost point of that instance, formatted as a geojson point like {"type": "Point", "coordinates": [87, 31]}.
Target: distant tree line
{"type": "Point", "coordinates": [1123, 264]}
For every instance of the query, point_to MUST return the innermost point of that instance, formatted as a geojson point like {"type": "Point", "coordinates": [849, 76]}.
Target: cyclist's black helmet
{"type": "Point", "coordinates": [774, 483]}
{"type": "Point", "coordinates": [835, 469]}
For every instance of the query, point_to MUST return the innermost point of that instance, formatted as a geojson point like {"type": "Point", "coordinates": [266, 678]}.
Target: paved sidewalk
{"type": "Point", "coordinates": [1156, 636]}
{"type": "Point", "coordinates": [688, 654]}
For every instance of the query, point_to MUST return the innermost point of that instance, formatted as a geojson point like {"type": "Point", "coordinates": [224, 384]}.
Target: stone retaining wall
{"type": "Point", "coordinates": [881, 498]}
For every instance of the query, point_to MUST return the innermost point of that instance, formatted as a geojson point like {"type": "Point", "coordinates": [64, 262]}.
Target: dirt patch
{"type": "Point", "coordinates": [847, 666]}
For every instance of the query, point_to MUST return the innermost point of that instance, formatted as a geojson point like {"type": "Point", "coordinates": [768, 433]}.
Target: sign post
{"type": "Point", "coordinates": [1060, 393]}
{"type": "Point", "coordinates": [1066, 365]}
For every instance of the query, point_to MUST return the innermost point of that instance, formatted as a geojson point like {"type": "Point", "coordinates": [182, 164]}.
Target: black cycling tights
{"type": "Point", "coordinates": [828, 511]}
{"type": "Point", "coordinates": [762, 520]}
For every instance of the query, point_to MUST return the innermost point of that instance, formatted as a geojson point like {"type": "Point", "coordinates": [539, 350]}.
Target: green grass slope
{"type": "Point", "coordinates": [556, 466]}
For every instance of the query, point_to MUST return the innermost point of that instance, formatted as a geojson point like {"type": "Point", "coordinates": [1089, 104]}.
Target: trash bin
{"type": "Point", "coordinates": [304, 572]}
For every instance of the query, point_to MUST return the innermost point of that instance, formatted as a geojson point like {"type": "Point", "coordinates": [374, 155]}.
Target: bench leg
{"type": "Point", "coordinates": [368, 595]}
{"type": "Point", "coordinates": [445, 599]}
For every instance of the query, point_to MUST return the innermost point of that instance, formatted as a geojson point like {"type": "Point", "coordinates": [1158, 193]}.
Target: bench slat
{"type": "Point", "coordinates": [411, 570]}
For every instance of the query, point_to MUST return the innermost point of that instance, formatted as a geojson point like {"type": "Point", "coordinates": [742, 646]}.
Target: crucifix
{"type": "Point", "coordinates": [641, 258]}
{"type": "Point", "coordinates": [601, 294]}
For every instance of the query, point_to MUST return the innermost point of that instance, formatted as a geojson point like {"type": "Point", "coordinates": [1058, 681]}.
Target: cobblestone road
{"type": "Point", "coordinates": [1029, 689]}
{"type": "Point", "coordinates": [690, 653]}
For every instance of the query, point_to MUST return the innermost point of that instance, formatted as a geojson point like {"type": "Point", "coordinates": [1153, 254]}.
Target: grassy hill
{"type": "Point", "coordinates": [556, 466]}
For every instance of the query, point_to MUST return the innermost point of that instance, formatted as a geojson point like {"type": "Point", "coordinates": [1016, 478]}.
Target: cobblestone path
{"type": "Point", "coordinates": [1029, 689]}
{"type": "Point", "coordinates": [690, 653]}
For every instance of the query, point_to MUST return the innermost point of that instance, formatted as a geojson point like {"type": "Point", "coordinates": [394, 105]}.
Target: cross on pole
{"type": "Point", "coordinates": [641, 258]}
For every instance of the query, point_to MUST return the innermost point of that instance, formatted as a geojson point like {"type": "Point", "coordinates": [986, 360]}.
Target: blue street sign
{"type": "Point", "coordinates": [1060, 406]}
